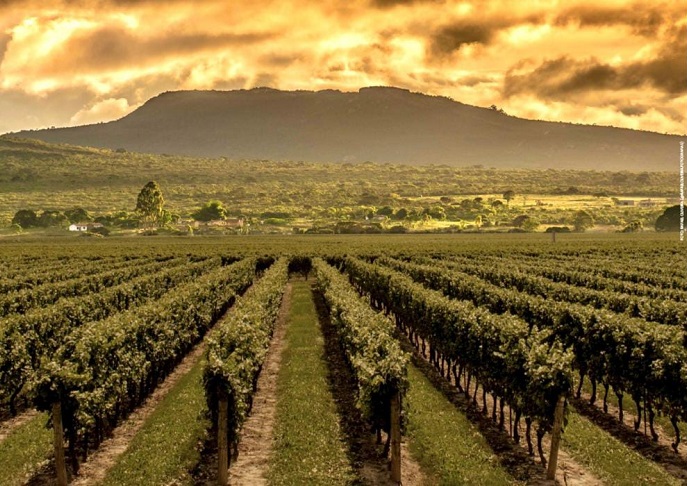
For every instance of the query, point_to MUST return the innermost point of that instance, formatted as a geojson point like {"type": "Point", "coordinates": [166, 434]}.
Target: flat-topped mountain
{"type": "Point", "coordinates": [373, 124]}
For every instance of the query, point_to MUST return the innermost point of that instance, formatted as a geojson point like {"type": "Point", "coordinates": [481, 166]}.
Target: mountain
{"type": "Point", "coordinates": [374, 124]}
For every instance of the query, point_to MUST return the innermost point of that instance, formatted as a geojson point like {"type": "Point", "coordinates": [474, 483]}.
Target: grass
{"type": "Point", "coordinates": [22, 452]}
{"type": "Point", "coordinates": [444, 442]}
{"type": "Point", "coordinates": [309, 448]}
{"type": "Point", "coordinates": [629, 407]}
{"type": "Point", "coordinates": [609, 459]}
{"type": "Point", "coordinates": [166, 446]}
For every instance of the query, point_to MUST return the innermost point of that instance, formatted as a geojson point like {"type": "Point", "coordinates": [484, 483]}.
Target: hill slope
{"type": "Point", "coordinates": [376, 124]}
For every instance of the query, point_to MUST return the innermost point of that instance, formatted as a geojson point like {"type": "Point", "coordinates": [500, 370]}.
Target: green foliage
{"type": "Point", "coordinates": [669, 220]}
{"type": "Point", "coordinates": [527, 367]}
{"type": "Point", "coordinates": [210, 211]}
{"type": "Point", "coordinates": [42, 329]}
{"type": "Point", "coordinates": [237, 348]}
{"type": "Point", "coordinates": [583, 220]}
{"type": "Point", "coordinates": [628, 353]}
{"type": "Point", "coordinates": [25, 218]}
{"type": "Point", "coordinates": [77, 215]}
{"type": "Point", "coordinates": [379, 365]}
{"type": "Point", "coordinates": [149, 204]}
{"type": "Point", "coordinates": [49, 219]}
{"type": "Point", "coordinates": [112, 364]}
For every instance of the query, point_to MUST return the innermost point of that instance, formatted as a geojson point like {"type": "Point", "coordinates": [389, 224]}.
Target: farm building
{"type": "Point", "coordinates": [84, 226]}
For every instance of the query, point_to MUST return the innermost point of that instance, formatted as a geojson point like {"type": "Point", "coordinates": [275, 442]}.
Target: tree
{"type": "Point", "coordinates": [49, 219]}
{"type": "Point", "coordinates": [583, 220]}
{"type": "Point", "coordinates": [669, 220]}
{"type": "Point", "coordinates": [77, 215]}
{"type": "Point", "coordinates": [508, 195]}
{"type": "Point", "coordinates": [525, 222]}
{"type": "Point", "coordinates": [149, 205]}
{"type": "Point", "coordinates": [25, 218]}
{"type": "Point", "coordinates": [210, 211]}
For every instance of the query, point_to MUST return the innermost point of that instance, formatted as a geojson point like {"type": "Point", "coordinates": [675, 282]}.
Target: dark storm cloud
{"type": "Point", "coordinates": [565, 76]}
{"type": "Point", "coordinates": [452, 38]}
{"type": "Point", "coordinates": [642, 18]}
{"type": "Point", "coordinates": [114, 46]}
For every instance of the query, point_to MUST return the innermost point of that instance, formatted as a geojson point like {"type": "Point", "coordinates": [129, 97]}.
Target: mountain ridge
{"type": "Point", "coordinates": [380, 124]}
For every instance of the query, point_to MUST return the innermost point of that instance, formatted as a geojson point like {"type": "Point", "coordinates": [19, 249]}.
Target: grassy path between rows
{"type": "Point", "coordinates": [24, 449]}
{"type": "Point", "coordinates": [165, 448]}
{"type": "Point", "coordinates": [609, 459]}
{"type": "Point", "coordinates": [308, 448]}
{"type": "Point", "coordinates": [443, 440]}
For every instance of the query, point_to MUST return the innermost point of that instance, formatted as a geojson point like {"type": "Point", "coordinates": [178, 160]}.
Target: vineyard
{"type": "Point", "coordinates": [344, 360]}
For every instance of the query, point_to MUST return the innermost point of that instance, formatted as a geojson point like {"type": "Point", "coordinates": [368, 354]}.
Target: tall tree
{"type": "Point", "coordinates": [149, 205]}
{"type": "Point", "coordinates": [583, 220]}
{"type": "Point", "coordinates": [508, 195]}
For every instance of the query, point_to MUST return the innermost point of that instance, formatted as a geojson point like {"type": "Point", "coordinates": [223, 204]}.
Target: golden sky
{"type": "Point", "coordinates": [620, 63]}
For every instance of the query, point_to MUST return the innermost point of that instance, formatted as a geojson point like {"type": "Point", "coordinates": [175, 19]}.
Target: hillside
{"type": "Point", "coordinates": [374, 124]}
{"type": "Point", "coordinates": [42, 176]}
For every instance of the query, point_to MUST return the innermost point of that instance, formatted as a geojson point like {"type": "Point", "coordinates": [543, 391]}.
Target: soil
{"type": "Point", "coordinates": [257, 436]}
{"type": "Point", "coordinates": [10, 425]}
{"type": "Point", "coordinates": [660, 451]}
{"type": "Point", "coordinates": [364, 453]}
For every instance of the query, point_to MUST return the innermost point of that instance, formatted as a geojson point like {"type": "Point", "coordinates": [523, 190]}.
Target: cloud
{"type": "Point", "coordinates": [479, 52]}
{"type": "Point", "coordinates": [452, 38]}
{"type": "Point", "coordinates": [105, 110]}
{"type": "Point", "coordinates": [643, 18]}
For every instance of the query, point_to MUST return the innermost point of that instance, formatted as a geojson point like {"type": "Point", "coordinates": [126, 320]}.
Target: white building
{"type": "Point", "coordinates": [84, 226]}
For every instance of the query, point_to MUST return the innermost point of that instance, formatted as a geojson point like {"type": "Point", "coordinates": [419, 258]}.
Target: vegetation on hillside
{"type": "Point", "coordinates": [60, 184]}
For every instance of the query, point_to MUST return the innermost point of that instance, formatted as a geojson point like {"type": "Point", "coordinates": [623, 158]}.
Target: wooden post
{"type": "Point", "coordinates": [396, 438]}
{"type": "Point", "coordinates": [58, 442]}
{"type": "Point", "coordinates": [555, 438]}
{"type": "Point", "coordinates": [222, 446]}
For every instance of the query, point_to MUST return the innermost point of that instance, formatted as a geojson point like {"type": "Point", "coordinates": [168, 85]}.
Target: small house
{"type": "Point", "coordinates": [84, 226]}
{"type": "Point", "coordinates": [647, 203]}
{"type": "Point", "coordinates": [625, 202]}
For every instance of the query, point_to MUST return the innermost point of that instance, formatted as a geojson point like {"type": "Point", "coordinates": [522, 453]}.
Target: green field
{"type": "Point", "coordinates": [519, 313]}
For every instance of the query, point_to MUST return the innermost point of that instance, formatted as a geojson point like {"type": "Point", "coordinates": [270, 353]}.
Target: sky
{"type": "Point", "coordinates": [620, 63]}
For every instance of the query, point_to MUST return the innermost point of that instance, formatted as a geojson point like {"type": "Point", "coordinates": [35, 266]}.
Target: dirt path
{"type": "Point", "coordinates": [257, 436]}
{"type": "Point", "coordinates": [363, 451]}
{"type": "Point", "coordinates": [95, 469]}
{"type": "Point", "coordinates": [10, 425]}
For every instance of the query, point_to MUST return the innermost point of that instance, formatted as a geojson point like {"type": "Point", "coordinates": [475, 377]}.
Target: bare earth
{"type": "Point", "coordinates": [10, 425]}
{"type": "Point", "coordinates": [101, 461]}
{"type": "Point", "coordinates": [257, 436]}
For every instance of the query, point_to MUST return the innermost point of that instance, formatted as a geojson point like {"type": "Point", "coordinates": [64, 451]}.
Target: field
{"type": "Point", "coordinates": [342, 359]}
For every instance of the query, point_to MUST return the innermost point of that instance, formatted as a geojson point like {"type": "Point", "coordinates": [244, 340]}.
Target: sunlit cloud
{"type": "Point", "coordinates": [619, 63]}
